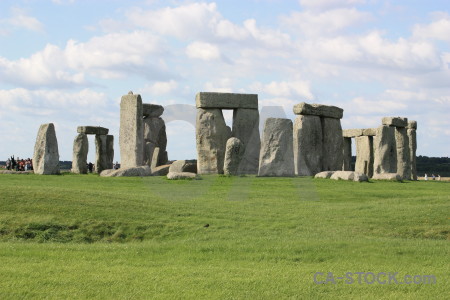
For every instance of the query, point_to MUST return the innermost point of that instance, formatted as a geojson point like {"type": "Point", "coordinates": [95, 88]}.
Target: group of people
{"type": "Point", "coordinates": [433, 177]}
{"type": "Point", "coordinates": [18, 164]}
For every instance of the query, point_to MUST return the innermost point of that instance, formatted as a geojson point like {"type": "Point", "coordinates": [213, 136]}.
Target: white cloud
{"type": "Point", "coordinates": [299, 89]}
{"type": "Point", "coordinates": [329, 4]}
{"type": "Point", "coordinates": [160, 88]}
{"type": "Point", "coordinates": [20, 20]}
{"type": "Point", "coordinates": [438, 30]}
{"type": "Point", "coordinates": [204, 51]}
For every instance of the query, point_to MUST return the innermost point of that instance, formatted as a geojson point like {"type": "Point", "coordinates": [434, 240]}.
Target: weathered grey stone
{"type": "Point", "coordinates": [351, 133]}
{"type": "Point", "coordinates": [395, 121]}
{"type": "Point", "coordinates": [109, 151]}
{"type": "Point", "coordinates": [387, 176]}
{"type": "Point", "coordinates": [321, 110]}
{"type": "Point", "coordinates": [163, 158]}
{"type": "Point", "coordinates": [128, 172]}
{"type": "Point", "coordinates": [212, 135]}
{"type": "Point", "coordinates": [181, 166]}
{"type": "Point", "coordinates": [226, 100]}
{"type": "Point", "coordinates": [412, 124]}
{"type": "Point", "coordinates": [131, 137]}
{"type": "Point", "coordinates": [181, 175]}
{"type": "Point", "coordinates": [149, 148]}
{"type": "Point", "coordinates": [412, 150]}
{"type": "Point", "coordinates": [246, 129]}
{"type": "Point", "coordinates": [308, 145]}
{"type": "Point", "coordinates": [403, 153]}
{"type": "Point", "coordinates": [152, 110]}
{"type": "Point", "coordinates": [385, 150]}
{"type": "Point", "coordinates": [92, 130]}
{"type": "Point", "coordinates": [161, 170]}
{"type": "Point", "coordinates": [155, 156]}
{"type": "Point", "coordinates": [349, 175]}
{"type": "Point", "coordinates": [364, 155]}
{"type": "Point", "coordinates": [46, 155]}
{"type": "Point", "coordinates": [101, 154]}
{"type": "Point", "coordinates": [369, 131]}
{"type": "Point", "coordinates": [234, 153]}
{"type": "Point", "coordinates": [333, 148]}
{"type": "Point", "coordinates": [80, 152]}
{"type": "Point", "coordinates": [347, 154]}
{"type": "Point", "coordinates": [277, 154]}
{"type": "Point", "coordinates": [155, 132]}
{"type": "Point", "coordinates": [324, 174]}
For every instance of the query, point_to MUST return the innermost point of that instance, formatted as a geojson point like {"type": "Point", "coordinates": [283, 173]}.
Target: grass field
{"type": "Point", "coordinates": [75, 236]}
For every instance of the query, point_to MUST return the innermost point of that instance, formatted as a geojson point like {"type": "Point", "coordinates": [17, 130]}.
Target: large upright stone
{"type": "Point", "coordinates": [109, 151]}
{"type": "Point", "coordinates": [155, 132]}
{"type": "Point", "coordinates": [403, 153]}
{"type": "Point", "coordinates": [385, 150]}
{"type": "Point", "coordinates": [326, 111]}
{"type": "Point", "coordinates": [332, 159]}
{"type": "Point", "coordinates": [46, 154]}
{"type": "Point", "coordinates": [131, 137]}
{"type": "Point", "coordinates": [277, 154]}
{"type": "Point", "coordinates": [308, 145]}
{"type": "Point", "coordinates": [234, 154]}
{"type": "Point", "coordinates": [412, 150]}
{"type": "Point", "coordinates": [364, 155]}
{"type": "Point", "coordinates": [347, 154]}
{"type": "Point", "coordinates": [212, 135]}
{"type": "Point", "coordinates": [101, 153]}
{"type": "Point", "coordinates": [226, 100]}
{"type": "Point", "coordinates": [80, 152]}
{"type": "Point", "coordinates": [149, 148]}
{"type": "Point", "coordinates": [246, 129]}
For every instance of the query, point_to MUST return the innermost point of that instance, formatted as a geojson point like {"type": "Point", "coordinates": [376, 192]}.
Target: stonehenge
{"type": "Point", "coordinates": [212, 133]}
{"type": "Point", "coordinates": [131, 136]}
{"type": "Point", "coordinates": [46, 154]}
{"type": "Point", "coordinates": [411, 132]}
{"type": "Point", "coordinates": [234, 153]}
{"type": "Point", "coordinates": [318, 141]}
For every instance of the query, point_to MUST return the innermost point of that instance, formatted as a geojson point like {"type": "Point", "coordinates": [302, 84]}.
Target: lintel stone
{"type": "Point", "coordinates": [226, 100]}
{"type": "Point", "coordinates": [351, 133]}
{"type": "Point", "coordinates": [152, 110]}
{"type": "Point", "coordinates": [395, 121]}
{"type": "Point", "coordinates": [93, 130]}
{"type": "Point", "coordinates": [318, 110]}
{"type": "Point", "coordinates": [412, 125]}
{"type": "Point", "coordinates": [369, 132]}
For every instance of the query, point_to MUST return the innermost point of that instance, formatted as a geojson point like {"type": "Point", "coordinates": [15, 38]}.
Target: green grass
{"type": "Point", "coordinates": [75, 236]}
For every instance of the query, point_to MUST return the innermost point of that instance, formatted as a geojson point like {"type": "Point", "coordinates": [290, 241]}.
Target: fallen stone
{"type": "Point", "coordinates": [412, 124]}
{"type": "Point", "coordinates": [351, 133]}
{"type": "Point", "coordinates": [277, 154]}
{"type": "Point", "coordinates": [181, 166]}
{"type": "Point", "coordinates": [395, 121]}
{"type": "Point", "coordinates": [324, 174]}
{"type": "Point", "coordinates": [80, 152]}
{"type": "Point", "coordinates": [387, 176]}
{"type": "Point", "coordinates": [141, 171]}
{"type": "Point", "coordinates": [349, 175]}
{"type": "Point", "coordinates": [333, 144]}
{"type": "Point", "coordinates": [181, 175]}
{"type": "Point", "coordinates": [212, 134]}
{"type": "Point", "coordinates": [385, 150]}
{"type": "Point", "coordinates": [92, 130]}
{"type": "Point", "coordinates": [308, 145]}
{"type": "Point", "coordinates": [226, 100]}
{"type": "Point", "coordinates": [347, 154]}
{"type": "Point", "coordinates": [246, 129]}
{"type": "Point", "coordinates": [131, 137]}
{"type": "Point", "coordinates": [152, 110]}
{"type": "Point", "coordinates": [9, 172]}
{"type": "Point", "coordinates": [403, 153]}
{"type": "Point", "coordinates": [364, 155]}
{"type": "Point", "coordinates": [161, 170]}
{"type": "Point", "coordinates": [234, 154]}
{"type": "Point", "coordinates": [321, 110]}
{"type": "Point", "coordinates": [46, 155]}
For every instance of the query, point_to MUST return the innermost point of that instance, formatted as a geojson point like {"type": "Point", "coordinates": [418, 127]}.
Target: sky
{"type": "Point", "coordinates": [68, 62]}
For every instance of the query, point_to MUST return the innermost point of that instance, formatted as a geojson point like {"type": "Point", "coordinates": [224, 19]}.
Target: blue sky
{"type": "Point", "coordinates": [70, 61]}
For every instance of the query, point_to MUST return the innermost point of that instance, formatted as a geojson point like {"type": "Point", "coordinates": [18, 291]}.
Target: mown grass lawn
{"type": "Point", "coordinates": [75, 236]}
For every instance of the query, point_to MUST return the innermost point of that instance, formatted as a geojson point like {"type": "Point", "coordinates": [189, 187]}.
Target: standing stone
{"type": "Point", "coordinates": [131, 131]}
{"type": "Point", "coordinates": [80, 152]}
{"type": "Point", "coordinates": [332, 159]}
{"type": "Point", "coordinates": [246, 129]}
{"type": "Point", "coordinates": [277, 154]}
{"type": "Point", "coordinates": [385, 150]}
{"type": "Point", "coordinates": [212, 135]}
{"type": "Point", "coordinates": [307, 145]}
{"type": "Point", "coordinates": [149, 148]}
{"type": "Point", "coordinates": [46, 155]}
{"type": "Point", "coordinates": [347, 154]}
{"type": "Point", "coordinates": [154, 160]}
{"type": "Point", "coordinates": [155, 131]}
{"type": "Point", "coordinates": [364, 155]}
{"type": "Point", "coordinates": [403, 153]}
{"type": "Point", "coordinates": [412, 150]}
{"type": "Point", "coordinates": [234, 155]}
{"type": "Point", "coordinates": [109, 151]}
{"type": "Point", "coordinates": [101, 153]}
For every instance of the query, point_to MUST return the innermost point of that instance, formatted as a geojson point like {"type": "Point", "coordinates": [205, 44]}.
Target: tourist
{"type": "Point", "coordinates": [90, 167]}
{"type": "Point", "coordinates": [434, 177]}
{"type": "Point", "coordinates": [439, 177]}
{"type": "Point", "coordinates": [426, 176]}
{"type": "Point", "coordinates": [8, 164]}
